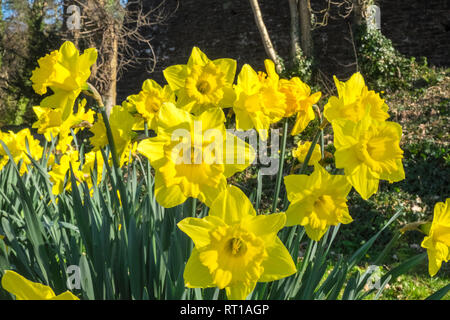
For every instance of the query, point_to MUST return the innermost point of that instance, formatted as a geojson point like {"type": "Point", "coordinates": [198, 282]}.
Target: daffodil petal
{"type": "Point", "coordinates": [239, 291]}
{"type": "Point", "coordinates": [266, 224]}
{"type": "Point", "coordinates": [197, 275]}
{"type": "Point", "coordinates": [176, 76]}
{"type": "Point", "coordinates": [363, 182]}
{"type": "Point", "coordinates": [168, 197]}
{"type": "Point", "coordinates": [65, 296]}
{"type": "Point", "coordinates": [279, 265]}
{"type": "Point", "coordinates": [198, 229]}
{"type": "Point", "coordinates": [231, 206]}
{"type": "Point", "coordinates": [25, 289]}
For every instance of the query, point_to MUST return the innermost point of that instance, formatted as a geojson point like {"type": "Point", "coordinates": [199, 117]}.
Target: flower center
{"type": "Point", "coordinates": [324, 204]}
{"type": "Point", "coordinates": [372, 151]}
{"type": "Point", "coordinates": [203, 87]}
{"type": "Point", "coordinates": [236, 247]}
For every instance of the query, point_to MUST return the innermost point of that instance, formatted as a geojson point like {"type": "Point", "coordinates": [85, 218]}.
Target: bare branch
{"type": "Point", "coordinates": [268, 46]}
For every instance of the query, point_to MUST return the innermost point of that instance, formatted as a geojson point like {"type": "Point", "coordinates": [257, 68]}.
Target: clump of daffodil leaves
{"type": "Point", "coordinates": [234, 246]}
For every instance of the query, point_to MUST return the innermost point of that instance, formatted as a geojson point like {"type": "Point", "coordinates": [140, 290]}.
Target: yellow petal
{"type": "Point", "coordinates": [262, 225]}
{"type": "Point", "coordinates": [65, 296]}
{"type": "Point", "coordinates": [153, 149]}
{"type": "Point", "coordinates": [228, 67]}
{"type": "Point", "coordinates": [168, 197]}
{"type": "Point", "coordinates": [270, 69]}
{"type": "Point", "coordinates": [237, 155]}
{"type": "Point", "coordinates": [197, 58]}
{"type": "Point", "coordinates": [197, 275]}
{"type": "Point", "coordinates": [198, 229]}
{"type": "Point", "coordinates": [25, 289]}
{"type": "Point", "coordinates": [363, 182]}
{"type": "Point", "coordinates": [279, 263]}
{"type": "Point", "coordinates": [176, 76]}
{"type": "Point", "coordinates": [239, 291]}
{"type": "Point", "coordinates": [231, 206]}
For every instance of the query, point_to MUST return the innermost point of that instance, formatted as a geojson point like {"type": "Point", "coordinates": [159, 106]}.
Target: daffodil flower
{"type": "Point", "coordinates": [202, 83]}
{"type": "Point", "coordinates": [17, 146]}
{"type": "Point", "coordinates": [368, 151]}
{"type": "Point", "coordinates": [121, 123]}
{"type": "Point", "coordinates": [234, 247]}
{"type": "Point", "coordinates": [302, 150]}
{"type": "Point", "coordinates": [318, 201]}
{"type": "Point", "coordinates": [192, 155]}
{"type": "Point", "coordinates": [25, 289]}
{"type": "Point", "coordinates": [59, 170]}
{"type": "Point", "coordinates": [299, 102]}
{"type": "Point", "coordinates": [437, 242]}
{"type": "Point", "coordinates": [92, 159]}
{"type": "Point", "coordinates": [148, 102]}
{"type": "Point", "coordinates": [50, 123]}
{"type": "Point", "coordinates": [258, 99]}
{"type": "Point", "coordinates": [65, 72]}
{"type": "Point", "coordinates": [355, 102]}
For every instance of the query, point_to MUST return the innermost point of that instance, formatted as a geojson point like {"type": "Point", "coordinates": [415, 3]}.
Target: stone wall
{"type": "Point", "coordinates": [418, 28]}
{"type": "Point", "coordinates": [226, 28]}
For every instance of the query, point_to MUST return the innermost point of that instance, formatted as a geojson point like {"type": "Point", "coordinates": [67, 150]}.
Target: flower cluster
{"type": "Point", "coordinates": [193, 155]}
{"type": "Point", "coordinates": [367, 146]}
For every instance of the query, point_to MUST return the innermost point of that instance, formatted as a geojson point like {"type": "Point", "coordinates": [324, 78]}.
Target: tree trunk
{"type": "Point", "coordinates": [305, 27]}
{"type": "Point", "coordinates": [296, 51]}
{"type": "Point", "coordinates": [358, 15]}
{"type": "Point", "coordinates": [268, 46]}
{"type": "Point", "coordinates": [111, 95]}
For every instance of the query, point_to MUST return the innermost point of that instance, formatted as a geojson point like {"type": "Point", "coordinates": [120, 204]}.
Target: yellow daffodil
{"type": "Point", "coordinates": [129, 154]}
{"type": "Point", "coordinates": [92, 159]}
{"type": "Point", "coordinates": [317, 201]}
{"type": "Point", "coordinates": [148, 102]}
{"type": "Point", "coordinates": [191, 157]}
{"type": "Point", "coordinates": [302, 150]}
{"type": "Point", "coordinates": [25, 289]}
{"type": "Point", "coordinates": [355, 101]}
{"type": "Point", "coordinates": [234, 247]}
{"type": "Point", "coordinates": [368, 151]}
{"type": "Point", "coordinates": [17, 146]}
{"type": "Point", "coordinates": [121, 123]}
{"type": "Point", "coordinates": [59, 171]}
{"type": "Point", "coordinates": [258, 100]}
{"type": "Point", "coordinates": [299, 101]}
{"type": "Point", "coordinates": [437, 242]}
{"type": "Point", "coordinates": [202, 83]}
{"type": "Point", "coordinates": [51, 124]}
{"type": "Point", "coordinates": [64, 71]}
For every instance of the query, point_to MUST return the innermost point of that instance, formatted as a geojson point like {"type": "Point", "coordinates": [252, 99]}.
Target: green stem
{"type": "Point", "coordinates": [110, 139]}
{"type": "Point", "coordinates": [281, 165]}
{"type": "Point", "coordinates": [146, 129]}
{"type": "Point", "coordinates": [194, 207]}
{"type": "Point", "coordinates": [123, 194]}
{"type": "Point", "coordinates": [310, 151]}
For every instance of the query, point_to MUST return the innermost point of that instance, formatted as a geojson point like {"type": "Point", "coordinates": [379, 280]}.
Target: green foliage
{"type": "Point", "coordinates": [27, 35]}
{"type": "Point", "coordinates": [12, 111]}
{"type": "Point", "coordinates": [382, 66]}
{"type": "Point", "coordinates": [302, 68]}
